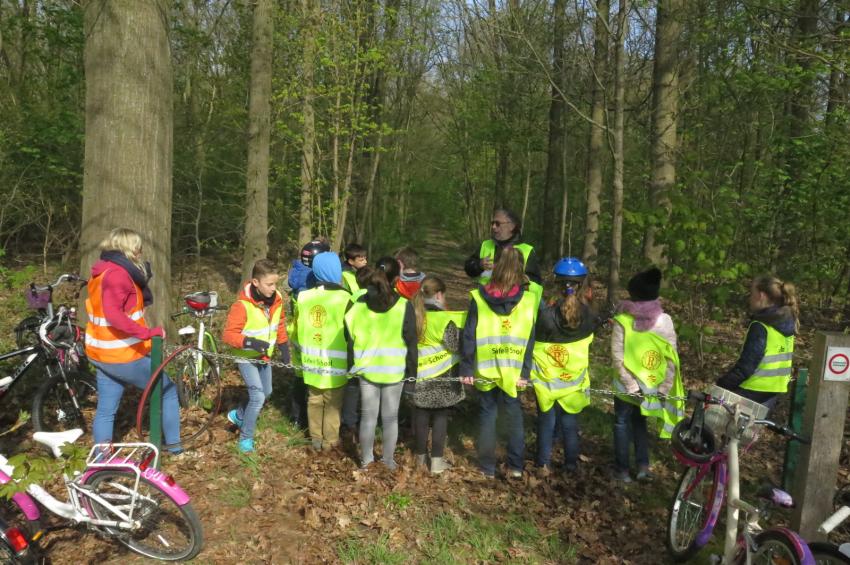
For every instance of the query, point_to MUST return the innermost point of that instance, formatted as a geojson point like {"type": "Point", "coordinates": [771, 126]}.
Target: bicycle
{"type": "Point", "coordinates": [15, 547]}
{"type": "Point", "coordinates": [68, 393]}
{"type": "Point", "coordinates": [708, 444]}
{"type": "Point", "coordinates": [833, 553]}
{"type": "Point", "coordinates": [121, 494]}
{"type": "Point", "coordinates": [196, 375]}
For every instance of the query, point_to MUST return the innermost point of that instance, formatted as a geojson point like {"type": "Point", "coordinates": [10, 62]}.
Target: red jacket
{"type": "Point", "coordinates": [237, 316]}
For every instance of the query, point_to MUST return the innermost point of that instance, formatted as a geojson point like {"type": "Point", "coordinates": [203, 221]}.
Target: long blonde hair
{"type": "Point", "coordinates": [126, 241]}
{"type": "Point", "coordinates": [430, 287]}
{"type": "Point", "coordinates": [509, 270]}
{"type": "Point", "coordinates": [572, 304]}
{"type": "Point", "coordinates": [779, 293]}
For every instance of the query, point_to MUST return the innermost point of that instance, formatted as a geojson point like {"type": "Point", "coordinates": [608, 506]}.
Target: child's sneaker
{"type": "Point", "coordinates": [645, 475]}
{"type": "Point", "coordinates": [233, 418]}
{"type": "Point", "coordinates": [246, 445]}
{"type": "Point", "coordinates": [622, 476]}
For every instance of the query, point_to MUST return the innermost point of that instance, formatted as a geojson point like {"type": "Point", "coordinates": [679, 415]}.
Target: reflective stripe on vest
{"type": "Point", "coordinates": [501, 343]}
{"type": "Point", "coordinates": [320, 336]}
{"type": "Point", "coordinates": [380, 353]}
{"type": "Point", "coordinates": [559, 372]}
{"type": "Point", "coordinates": [258, 325]}
{"type": "Point", "coordinates": [434, 359]}
{"type": "Point", "coordinates": [106, 343]}
{"type": "Point", "coordinates": [774, 369]}
{"type": "Point", "coordinates": [645, 355]}
{"type": "Point", "coordinates": [488, 251]}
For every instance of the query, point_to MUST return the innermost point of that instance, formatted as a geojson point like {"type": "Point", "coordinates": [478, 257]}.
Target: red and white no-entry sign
{"type": "Point", "coordinates": [837, 364]}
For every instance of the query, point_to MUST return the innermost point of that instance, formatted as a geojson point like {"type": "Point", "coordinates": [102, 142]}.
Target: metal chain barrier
{"type": "Point", "coordinates": [281, 365]}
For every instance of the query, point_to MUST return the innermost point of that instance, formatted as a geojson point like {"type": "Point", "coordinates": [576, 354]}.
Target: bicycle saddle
{"type": "Point", "coordinates": [776, 496]}
{"type": "Point", "coordinates": [55, 440]}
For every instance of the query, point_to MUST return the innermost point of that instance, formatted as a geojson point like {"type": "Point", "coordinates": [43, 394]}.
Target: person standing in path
{"type": "Point", "coordinates": [763, 369]}
{"type": "Point", "coordinates": [118, 339]}
{"type": "Point", "coordinates": [505, 229]}
{"type": "Point", "coordinates": [381, 332]}
{"type": "Point", "coordinates": [497, 345]}
{"type": "Point", "coordinates": [643, 348]}
{"type": "Point", "coordinates": [254, 329]}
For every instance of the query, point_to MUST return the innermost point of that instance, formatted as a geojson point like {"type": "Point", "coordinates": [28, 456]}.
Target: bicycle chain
{"type": "Point", "coordinates": [168, 349]}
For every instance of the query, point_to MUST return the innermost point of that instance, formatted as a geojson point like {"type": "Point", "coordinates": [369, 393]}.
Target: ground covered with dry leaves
{"type": "Point", "coordinates": [289, 504]}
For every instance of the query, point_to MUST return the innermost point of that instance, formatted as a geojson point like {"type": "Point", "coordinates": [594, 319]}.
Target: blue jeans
{"type": "Point", "coordinates": [629, 424]}
{"type": "Point", "coordinates": [568, 424]}
{"type": "Point", "coordinates": [258, 380]}
{"type": "Point", "coordinates": [489, 410]}
{"type": "Point", "coordinates": [111, 380]}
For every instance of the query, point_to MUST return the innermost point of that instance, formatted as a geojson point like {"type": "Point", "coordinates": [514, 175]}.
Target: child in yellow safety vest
{"type": "Point", "coordinates": [560, 373]}
{"type": "Point", "coordinates": [763, 369]}
{"type": "Point", "coordinates": [435, 395]}
{"type": "Point", "coordinates": [254, 329]}
{"type": "Point", "coordinates": [497, 344]}
{"type": "Point", "coordinates": [643, 348]}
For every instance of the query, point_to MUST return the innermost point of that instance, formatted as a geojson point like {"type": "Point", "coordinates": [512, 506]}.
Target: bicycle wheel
{"type": "Point", "coordinates": [780, 546]}
{"type": "Point", "coordinates": [62, 404]}
{"type": "Point", "coordinates": [828, 554]}
{"type": "Point", "coordinates": [166, 531]}
{"type": "Point", "coordinates": [694, 510]}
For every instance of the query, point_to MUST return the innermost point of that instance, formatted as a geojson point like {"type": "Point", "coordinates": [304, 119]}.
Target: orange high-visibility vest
{"type": "Point", "coordinates": [106, 343]}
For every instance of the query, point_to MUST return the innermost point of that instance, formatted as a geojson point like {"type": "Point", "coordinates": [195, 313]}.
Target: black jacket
{"type": "Point", "coordinates": [472, 266]}
{"type": "Point", "coordinates": [552, 328]}
{"type": "Point", "coordinates": [751, 355]}
{"type": "Point", "coordinates": [500, 305]}
{"type": "Point", "coordinates": [408, 333]}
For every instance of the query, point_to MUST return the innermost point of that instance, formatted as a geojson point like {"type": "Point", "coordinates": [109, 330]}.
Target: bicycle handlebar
{"type": "Point", "coordinates": [835, 520]}
{"type": "Point", "coordinates": [185, 311]}
{"type": "Point", "coordinates": [66, 278]}
{"type": "Point", "coordinates": [784, 431]}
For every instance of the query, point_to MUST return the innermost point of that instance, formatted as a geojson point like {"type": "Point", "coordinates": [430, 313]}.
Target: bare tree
{"type": "Point", "coordinates": [618, 153]}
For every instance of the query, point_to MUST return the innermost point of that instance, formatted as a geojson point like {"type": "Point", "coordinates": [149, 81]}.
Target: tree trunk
{"type": "Point", "coordinates": [595, 146]}
{"type": "Point", "coordinates": [619, 132]}
{"type": "Point", "coordinates": [256, 242]}
{"type": "Point", "coordinates": [556, 129]}
{"type": "Point", "coordinates": [128, 138]}
{"type": "Point", "coordinates": [308, 159]}
{"type": "Point", "coordinates": [665, 107]}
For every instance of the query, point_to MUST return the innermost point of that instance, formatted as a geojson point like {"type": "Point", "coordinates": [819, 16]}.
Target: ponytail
{"type": "Point", "coordinates": [379, 293]}
{"type": "Point", "coordinates": [430, 286]}
{"type": "Point", "coordinates": [780, 294]}
{"type": "Point", "coordinates": [418, 302]}
{"type": "Point", "coordinates": [575, 295]}
{"type": "Point", "coordinates": [789, 298]}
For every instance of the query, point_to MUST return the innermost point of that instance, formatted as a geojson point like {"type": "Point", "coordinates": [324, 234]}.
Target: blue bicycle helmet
{"type": "Point", "coordinates": [570, 267]}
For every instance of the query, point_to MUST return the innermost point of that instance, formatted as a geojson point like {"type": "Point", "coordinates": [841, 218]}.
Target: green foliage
{"type": "Point", "coordinates": [29, 469]}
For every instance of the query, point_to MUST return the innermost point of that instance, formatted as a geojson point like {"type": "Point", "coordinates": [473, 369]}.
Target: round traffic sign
{"type": "Point", "coordinates": [838, 364]}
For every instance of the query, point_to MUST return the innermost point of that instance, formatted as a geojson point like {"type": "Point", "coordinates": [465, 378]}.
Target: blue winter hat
{"type": "Point", "coordinates": [327, 268]}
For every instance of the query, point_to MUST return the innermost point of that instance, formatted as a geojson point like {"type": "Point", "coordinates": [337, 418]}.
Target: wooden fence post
{"type": "Point", "coordinates": [823, 421]}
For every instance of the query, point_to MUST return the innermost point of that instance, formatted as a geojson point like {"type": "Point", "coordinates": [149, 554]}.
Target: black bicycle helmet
{"type": "Point", "coordinates": [693, 446]}
{"type": "Point", "coordinates": [312, 249]}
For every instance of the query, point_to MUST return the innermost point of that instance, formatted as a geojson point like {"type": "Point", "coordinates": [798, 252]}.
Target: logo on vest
{"type": "Point", "coordinates": [559, 354]}
{"type": "Point", "coordinates": [650, 360]}
{"type": "Point", "coordinates": [318, 315]}
{"type": "Point", "coordinates": [506, 327]}
{"type": "Point", "coordinates": [317, 338]}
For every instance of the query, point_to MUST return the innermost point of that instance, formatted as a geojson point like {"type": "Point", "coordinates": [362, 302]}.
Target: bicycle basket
{"type": "Point", "coordinates": [37, 300]}
{"type": "Point", "coordinates": [717, 417]}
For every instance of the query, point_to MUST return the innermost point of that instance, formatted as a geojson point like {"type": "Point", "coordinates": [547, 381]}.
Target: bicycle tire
{"type": "Point", "coordinates": [202, 404]}
{"type": "Point", "coordinates": [827, 554]}
{"type": "Point", "coordinates": [779, 543]}
{"type": "Point", "coordinates": [694, 510]}
{"type": "Point", "coordinates": [162, 518]}
{"type": "Point", "coordinates": [53, 409]}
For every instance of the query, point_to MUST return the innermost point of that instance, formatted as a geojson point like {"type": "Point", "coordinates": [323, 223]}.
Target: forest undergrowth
{"type": "Point", "coordinates": [289, 504]}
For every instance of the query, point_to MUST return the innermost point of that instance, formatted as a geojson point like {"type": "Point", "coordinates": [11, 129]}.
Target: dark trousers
{"type": "Point", "coordinates": [629, 426]}
{"type": "Point", "coordinates": [547, 423]}
{"type": "Point", "coordinates": [489, 410]}
{"type": "Point", "coordinates": [438, 419]}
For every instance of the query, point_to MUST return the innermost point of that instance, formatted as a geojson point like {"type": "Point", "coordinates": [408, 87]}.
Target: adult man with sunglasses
{"type": "Point", "coordinates": [505, 229]}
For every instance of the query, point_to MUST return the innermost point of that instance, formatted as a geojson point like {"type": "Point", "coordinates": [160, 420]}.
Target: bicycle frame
{"type": "Point", "coordinates": [32, 352]}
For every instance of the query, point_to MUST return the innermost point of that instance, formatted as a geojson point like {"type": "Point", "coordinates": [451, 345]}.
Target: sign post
{"type": "Point", "coordinates": [155, 406]}
{"type": "Point", "coordinates": [823, 422]}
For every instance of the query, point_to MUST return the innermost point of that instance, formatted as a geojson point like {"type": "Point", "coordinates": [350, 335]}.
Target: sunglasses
{"type": "Point", "coordinates": [497, 223]}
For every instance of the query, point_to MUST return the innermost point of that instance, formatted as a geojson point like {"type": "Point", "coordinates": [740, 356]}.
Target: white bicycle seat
{"type": "Point", "coordinates": [55, 440]}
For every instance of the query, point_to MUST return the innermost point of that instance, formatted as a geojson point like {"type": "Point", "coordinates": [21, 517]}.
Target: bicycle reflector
{"type": "Point", "coordinates": [16, 539]}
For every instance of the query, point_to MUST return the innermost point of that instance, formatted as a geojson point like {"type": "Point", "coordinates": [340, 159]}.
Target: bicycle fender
{"type": "Point", "coordinates": [162, 480]}
{"type": "Point", "coordinates": [22, 500]}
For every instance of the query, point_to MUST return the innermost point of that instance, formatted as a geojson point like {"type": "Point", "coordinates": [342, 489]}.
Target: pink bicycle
{"type": "Point", "coordinates": [120, 493]}
{"type": "Point", "coordinates": [707, 444]}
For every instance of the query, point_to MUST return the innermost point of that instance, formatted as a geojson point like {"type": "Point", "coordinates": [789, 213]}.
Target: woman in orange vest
{"type": "Point", "coordinates": [118, 340]}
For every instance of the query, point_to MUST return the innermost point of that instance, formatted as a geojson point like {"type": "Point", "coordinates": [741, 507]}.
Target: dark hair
{"type": "Point", "coordinates": [513, 217]}
{"type": "Point", "coordinates": [353, 251]}
{"type": "Point", "coordinates": [390, 267]}
{"type": "Point", "coordinates": [408, 256]}
{"type": "Point", "coordinates": [262, 268]}
{"type": "Point", "coordinates": [379, 292]}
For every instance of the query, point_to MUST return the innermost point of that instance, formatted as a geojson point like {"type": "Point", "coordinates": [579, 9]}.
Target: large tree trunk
{"type": "Point", "coordinates": [556, 129]}
{"type": "Point", "coordinates": [665, 107]}
{"type": "Point", "coordinates": [596, 141]}
{"type": "Point", "coordinates": [619, 132]}
{"type": "Point", "coordinates": [256, 243]}
{"type": "Point", "coordinates": [128, 142]}
{"type": "Point", "coordinates": [308, 159]}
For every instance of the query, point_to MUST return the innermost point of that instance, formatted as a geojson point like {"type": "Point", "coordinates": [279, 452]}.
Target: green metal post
{"type": "Point", "coordinates": [155, 406]}
{"type": "Point", "coordinates": [795, 421]}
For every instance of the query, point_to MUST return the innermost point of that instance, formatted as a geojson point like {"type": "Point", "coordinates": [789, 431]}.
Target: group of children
{"type": "Point", "coordinates": [358, 332]}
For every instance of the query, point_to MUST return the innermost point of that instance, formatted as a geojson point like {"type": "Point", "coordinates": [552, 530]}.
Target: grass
{"type": "Point", "coordinates": [236, 496]}
{"type": "Point", "coordinates": [397, 501]}
{"type": "Point", "coordinates": [371, 551]}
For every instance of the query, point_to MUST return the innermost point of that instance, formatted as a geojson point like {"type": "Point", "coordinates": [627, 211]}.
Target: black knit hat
{"type": "Point", "coordinates": [645, 285]}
